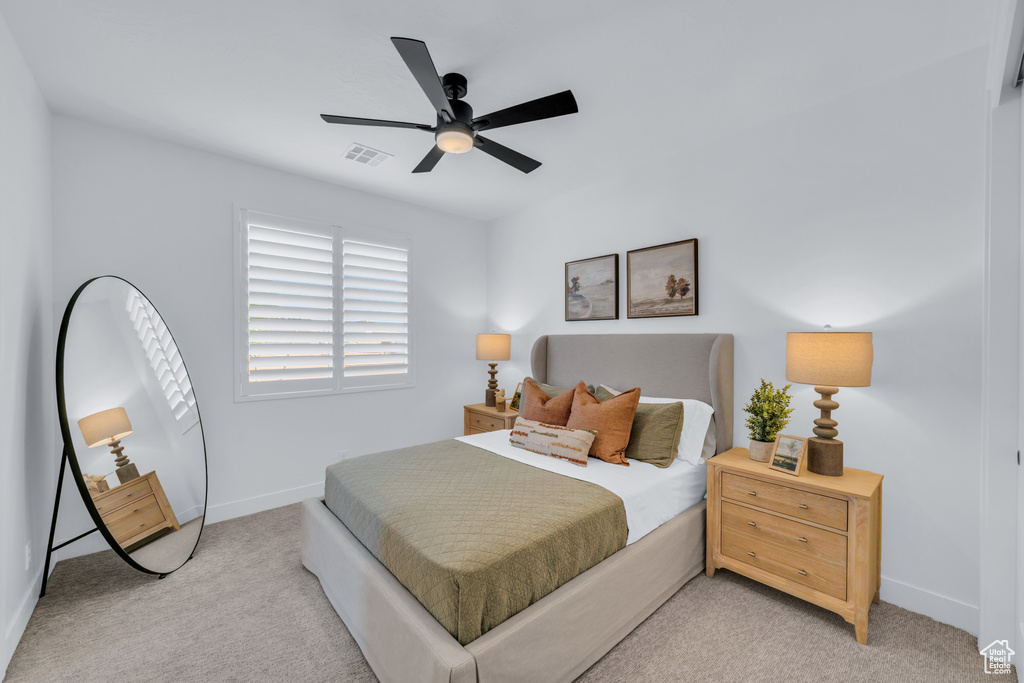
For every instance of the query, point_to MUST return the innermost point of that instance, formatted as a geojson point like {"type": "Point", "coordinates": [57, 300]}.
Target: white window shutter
{"type": "Point", "coordinates": [375, 312]}
{"type": "Point", "coordinates": [163, 357]}
{"type": "Point", "coordinates": [310, 294]}
{"type": "Point", "coordinates": [290, 308]}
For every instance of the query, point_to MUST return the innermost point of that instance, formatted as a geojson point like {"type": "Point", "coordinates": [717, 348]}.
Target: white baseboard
{"type": "Point", "coordinates": [20, 619]}
{"type": "Point", "coordinates": [247, 506]}
{"type": "Point", "coordinates": [938, 607]}
{"type": "Point", "coordinates": [186, 516]}
{"type": "Point", "coordinates": [214, 513]}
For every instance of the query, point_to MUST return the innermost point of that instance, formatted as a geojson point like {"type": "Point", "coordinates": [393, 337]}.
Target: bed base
{"type": "Point", "coordinates": [555, 639]}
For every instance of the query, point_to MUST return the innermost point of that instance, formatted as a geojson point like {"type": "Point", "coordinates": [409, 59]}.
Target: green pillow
{"type": "Point", "coordinates": [656, 430]}
{"type": "Point", "coordinates": [553, 391]}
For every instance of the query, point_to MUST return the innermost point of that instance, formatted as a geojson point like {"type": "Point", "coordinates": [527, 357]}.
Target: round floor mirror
{"type": "Point", "coordinates": [131, 426]}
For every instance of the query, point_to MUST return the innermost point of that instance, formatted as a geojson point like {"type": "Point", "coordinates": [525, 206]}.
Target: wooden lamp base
{"type": "Point", "coordinates": [492, 386]}
{"type": "Point", "coordinates": [825, 451]}
{"type": "Point", "coordinates": [825, 456]}
{"type": "Point", "coordinates": [126, 470]}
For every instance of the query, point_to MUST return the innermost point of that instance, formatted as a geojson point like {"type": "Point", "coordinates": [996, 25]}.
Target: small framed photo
{"type": "Point", "coordinates": [592, 288]}
{"type": "Point", "coordinates": [788, 455]}
{"type": "Point", "coordinates": [514, 403]}
{"type": "Point", "coordinates": [661, 281]}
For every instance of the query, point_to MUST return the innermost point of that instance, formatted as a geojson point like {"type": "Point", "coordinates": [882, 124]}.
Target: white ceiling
{"type": "Point", "coordinates": [249, 78]}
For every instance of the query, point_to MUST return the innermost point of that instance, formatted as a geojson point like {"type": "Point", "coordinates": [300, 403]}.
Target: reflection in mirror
{"type": "Point", "coordinates": [133, 425]}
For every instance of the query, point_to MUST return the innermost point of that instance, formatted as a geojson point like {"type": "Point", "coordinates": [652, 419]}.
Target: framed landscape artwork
{"type": "Point", "coordinates": [662, 281]}
{"type": "Point", "coordinates": [789, 454]}
{"type": "Point", "coordinates": [592, 288]}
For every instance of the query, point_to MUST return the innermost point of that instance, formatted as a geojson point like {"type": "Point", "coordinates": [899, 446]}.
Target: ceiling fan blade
{"type": "Point", "coordinates": [417, 58]}
{"type": "Point", "coordinates": [353, 121]}
{"type": "Point", "coordinates": [429, 161]}
{"type": "Point", "coordinates": [509, 156]}
{"type": "Point", "coordinates": [548, 107]}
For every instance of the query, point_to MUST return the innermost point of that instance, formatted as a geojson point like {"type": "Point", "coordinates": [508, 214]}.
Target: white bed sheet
{"type": "Point", "coordinates": [651, 495]}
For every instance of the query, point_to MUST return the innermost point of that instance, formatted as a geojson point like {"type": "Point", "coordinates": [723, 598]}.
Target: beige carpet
{"type": "Point", "coordinates": [166, 552]}
{"type": "Point", "coordinates": [245, 609]}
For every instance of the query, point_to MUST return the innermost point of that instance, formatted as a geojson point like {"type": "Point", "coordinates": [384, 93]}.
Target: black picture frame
{"type": "Point", "coordinates": [653, 275]}
{"type": "Point", "coordinates": [592, 288]}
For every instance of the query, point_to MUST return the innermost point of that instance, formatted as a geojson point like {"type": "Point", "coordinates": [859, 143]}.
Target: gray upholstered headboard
{"type": "Point", "coordinates": [665, 365]}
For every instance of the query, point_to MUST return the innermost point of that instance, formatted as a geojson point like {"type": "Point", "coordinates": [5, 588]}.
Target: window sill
{"type": "Point", "coordinates": [320, 392]}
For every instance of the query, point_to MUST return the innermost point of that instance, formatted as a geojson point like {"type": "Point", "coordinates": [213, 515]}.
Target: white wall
{"type": "Point", "coordinates": [28, 459]}
{"type": "Point", "coordinates": [1000, 367]}
{"type": "Point", "coordinates": [161, 216]}
{"type": "Point", "coordinates": [866, 213]}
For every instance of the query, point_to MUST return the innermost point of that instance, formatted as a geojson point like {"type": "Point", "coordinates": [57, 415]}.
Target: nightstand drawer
{"type": "Point", "coordinates": [803, 539]}
{"type": "Point", "coordinates": [135, 518]}
{"type": "Point", "coordinates": [122, 495]}
{"type": "Point", "coordinates": [820, 576]}
{"type": "Point", "coordinates": [485, 422]}
{"type": "Point", "coordinates": [803, 504]}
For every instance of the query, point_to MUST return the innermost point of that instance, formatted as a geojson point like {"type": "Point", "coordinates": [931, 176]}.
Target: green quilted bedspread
{"type": "Point", "coordinates": [474, 536]}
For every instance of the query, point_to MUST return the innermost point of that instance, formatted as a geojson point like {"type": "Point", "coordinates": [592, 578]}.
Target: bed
{"type": "Point", "coordinates": [560, 635]}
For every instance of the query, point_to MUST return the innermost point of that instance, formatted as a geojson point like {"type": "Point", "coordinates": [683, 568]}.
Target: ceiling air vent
{"type": "Point", "coordinates": [362, 154]}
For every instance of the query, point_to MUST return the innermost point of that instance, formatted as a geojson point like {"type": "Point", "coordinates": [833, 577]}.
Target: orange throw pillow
{"type": "Point", "coordinates": [536, 405]}
{"type": "Point", "coordinates": [611, 419]}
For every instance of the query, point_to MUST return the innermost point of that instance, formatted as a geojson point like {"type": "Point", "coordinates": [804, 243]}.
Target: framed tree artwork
{"type": "Point", "coordinates": [592, 288]}
{"type": "Point", "coordinates": [788, 454]}
{"type": "Point", "coordinates": [661, 281]}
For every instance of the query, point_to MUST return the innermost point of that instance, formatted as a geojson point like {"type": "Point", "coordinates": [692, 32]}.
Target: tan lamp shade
{"type": "Point", "coordinates": [104, 427]}
{"type": "Point", "coordinates": [837, 359]}
{"type": "Point", "coordinates": [493, 346]}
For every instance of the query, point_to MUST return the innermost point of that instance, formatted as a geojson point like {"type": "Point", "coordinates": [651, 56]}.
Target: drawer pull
{"type": "Point", "coordinates": [751, 554]}
{"type": "Point", "coordinates": [142, 524]}
{"type": "Point", "coordinates": [135, 510]}
{"type": "Point", "coordinates": [802, 506]}
{"type": "Point", "coordinates": [127, 495]}
{"type": "Point", "coordinates": [801, 572]}
{"type": "Point", "coordinates": [802, 539]}
{"type": "Point", "coordinates": [752, 523]}
{"type": "Point", "coordinates": [751, 493]}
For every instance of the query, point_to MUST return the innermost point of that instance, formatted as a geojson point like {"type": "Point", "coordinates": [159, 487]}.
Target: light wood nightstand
{"type": "Point", "coordinates": [815, 537]}
{"type": "Point", "coordinates": [480, 418]}
{"type": "Point", "coordinates": [136, 512]}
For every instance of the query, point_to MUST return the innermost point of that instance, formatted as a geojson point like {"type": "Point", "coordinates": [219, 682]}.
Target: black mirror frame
{"type": "Point", "coordinates": [69, 449]}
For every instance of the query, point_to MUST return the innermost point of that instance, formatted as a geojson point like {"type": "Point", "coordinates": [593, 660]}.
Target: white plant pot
{"type": "Point", "coordinates": [761, 451]}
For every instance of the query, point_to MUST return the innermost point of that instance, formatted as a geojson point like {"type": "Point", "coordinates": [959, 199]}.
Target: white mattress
{"type": "Point", "coordinates": [651, 495]}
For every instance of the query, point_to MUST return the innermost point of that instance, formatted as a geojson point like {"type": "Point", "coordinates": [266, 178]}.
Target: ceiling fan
{"type": "Point", "coordinates": [457, 131]}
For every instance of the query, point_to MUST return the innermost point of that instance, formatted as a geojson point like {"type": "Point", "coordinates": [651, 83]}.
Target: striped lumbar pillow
{"type": "Point", "coordinates": [558, 442]}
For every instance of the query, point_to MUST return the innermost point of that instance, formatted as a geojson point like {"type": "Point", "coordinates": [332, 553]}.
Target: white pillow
{"type": "Point", "coordinates": [696, 422]}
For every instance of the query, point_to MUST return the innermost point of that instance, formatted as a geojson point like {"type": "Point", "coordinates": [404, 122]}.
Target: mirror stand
{"type": "Point", "coordinates": [53, 524]}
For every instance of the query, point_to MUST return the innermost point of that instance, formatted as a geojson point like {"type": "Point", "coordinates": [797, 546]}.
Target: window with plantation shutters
{"type": "Point", "coordinates": [375, 285]}
{"type": "Point", "coordinates": [162, 354]}
{"type": "Point", "coordinates": [323, 309]}
{"type": "Point", "coordinates": [290, 306]}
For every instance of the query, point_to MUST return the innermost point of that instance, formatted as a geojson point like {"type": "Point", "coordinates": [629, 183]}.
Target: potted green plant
{"type": "Point", "coordinates": [768, 413]}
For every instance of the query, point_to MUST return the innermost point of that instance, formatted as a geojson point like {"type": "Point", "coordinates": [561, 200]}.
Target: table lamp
{"type": "Point", "coordinates": [828, 360]}
{"type": "Point", "coordinates": [493, 347]}
{"type": "Point", "coordinates": [107, 428]}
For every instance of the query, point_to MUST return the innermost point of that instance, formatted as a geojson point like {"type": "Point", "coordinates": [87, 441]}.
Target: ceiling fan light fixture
{"type": "Point", "coordinates": [456, 138]}
{"type": "Point", "coordinates": [457, 129]}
